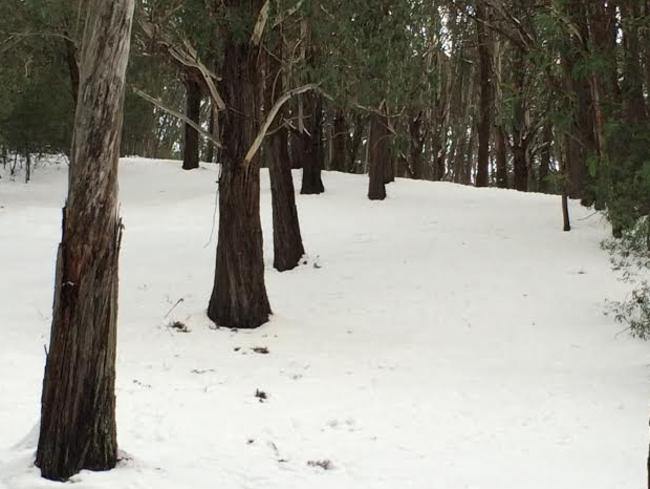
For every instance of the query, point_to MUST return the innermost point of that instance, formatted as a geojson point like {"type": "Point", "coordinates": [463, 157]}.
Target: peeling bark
{"type": "Point", "coordinates": [77, 428]}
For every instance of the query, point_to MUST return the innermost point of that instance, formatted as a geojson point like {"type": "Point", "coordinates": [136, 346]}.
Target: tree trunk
{"type": "Point", "coordinates": [635, 108]}
{"type": "Point", "coordinates": [565, 211]}
{"type": "Point", "coordinates": [520, 162]}
{"type": "Point", "coordinates": [73, 65]}
{"type": "Point", "coordinates": [28, 166]}
{"type": "Point", "coordinates": [564, 169]}
{"type": "Point", "coordinates": [77, 428]}
{"type": "Point", "coordinates": [239, 297]}
{"type": "Point", "coordinates": [378, 156]}
{"type": "Point", "coordinates": [485, 99]}
{"type": "Point", "coordinates": [340, 138]}
{"type": "Point", "coordinates": [519, 145]}
{"type": "Point", "coordinates": [501, 156]}
{"type": "Point", "coordinates": [416, 143]}
{"type": "Point", "coordinates": [578, 84]}
{"type": "Point", "coordinates": [545, 157]}
{"type": "Point", "coordinates": [193, 112]}
{"type": "Point", "coordinates": [287, 240]}
{"type": "Point", "coordinates": [355, 142]}
{"type": "Point", "coordinates": [310, 146]}
{"type": "Point", "coordinates": [389, 162]}
{"type": "Point", "coordinates": [209, 153]}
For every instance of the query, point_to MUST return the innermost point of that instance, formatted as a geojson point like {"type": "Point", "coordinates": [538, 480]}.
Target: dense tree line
{"type": "Point", "coordinates": [541, 95]}
{"type": "Point", "coordinates": [533, 95]}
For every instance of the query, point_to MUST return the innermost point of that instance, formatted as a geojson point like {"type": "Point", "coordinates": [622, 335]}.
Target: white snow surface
{"type": "Point", "coordinates": [446, 338]}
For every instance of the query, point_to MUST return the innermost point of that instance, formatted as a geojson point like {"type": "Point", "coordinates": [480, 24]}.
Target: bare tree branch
{"type": "Point", "coordinates": [158, 103]}
{"type": "Point", "coordinates": [257, 143]}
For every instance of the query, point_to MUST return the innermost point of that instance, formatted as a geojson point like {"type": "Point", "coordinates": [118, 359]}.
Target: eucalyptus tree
{"type": "Point", "coordinates": [77, 429]}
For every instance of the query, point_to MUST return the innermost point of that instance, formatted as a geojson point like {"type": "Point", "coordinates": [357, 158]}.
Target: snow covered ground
{"type": "Point", "coordinates": [446, 338]}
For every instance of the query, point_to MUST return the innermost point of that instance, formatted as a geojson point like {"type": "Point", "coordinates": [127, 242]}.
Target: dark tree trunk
{"type": "Point", "coordinates": [355, 143]}
{"type": "Point", "coordinates": [378, 156]}
{"type": "Point", "coordinates": [468, 160]}
{"type": "Point", "coordinates": [287, 240]}
{"type": "Point", "coordinates": [519, 138]}
{"type": "Point", "coordinates": [239, 297]}
{"type": "Point", "coordinates": [485, 99]}
{"type": "Point", "coordinates": [389, 163]}
{"type": "Point", "coordinates": [310, 146]}
{"type": "Point", "coordinates": [28, 166]}
{"type": "Point", "coordinates": [77, 428]}
{"type": "Point", "coordinates": [545, 157]}
{"type": "Point", "coordinates": [565, 211]}
{"type": "Point", "coordinates": [501, 156]}
{"type": "Point", "coordinates": [416, 143]}
{"type": "Point", "coordinates": [520, 162]}
{"type": "Point", "coordinates": [583, 118]}
{"type": "Point", "coordinates": [565, 163]}
{"type": "Point", "coordinates": [73, 65]}
{"type": "Point", "coordinates": [340, 137]}
{"type": "Point", "coordinates": [192, 112]}
{"type": "Point", "coordinates": [209, 153]}
{"type": "Point", "coordinates": [439, 154]}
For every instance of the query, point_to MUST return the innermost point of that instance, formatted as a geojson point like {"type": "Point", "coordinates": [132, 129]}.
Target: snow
{"type": "Point", "coordinates": [448, 337]}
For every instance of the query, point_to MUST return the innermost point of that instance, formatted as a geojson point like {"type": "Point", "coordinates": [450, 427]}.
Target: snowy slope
{"type": "Point", "coordinates": [446, 338]}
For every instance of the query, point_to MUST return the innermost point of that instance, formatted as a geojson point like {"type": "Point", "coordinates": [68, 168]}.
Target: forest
{"type": "Point", "coordinates": [428, 243]}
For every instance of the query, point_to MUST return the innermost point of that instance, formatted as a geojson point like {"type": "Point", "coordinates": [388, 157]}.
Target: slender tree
{"type": "Point", "coordinates": [485, 96]}
{"type": "Point", "coordinates": [287, 240]}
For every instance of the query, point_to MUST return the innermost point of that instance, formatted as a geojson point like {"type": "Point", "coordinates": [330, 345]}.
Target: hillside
{"type": "Point", "coordinates": [448, 337]}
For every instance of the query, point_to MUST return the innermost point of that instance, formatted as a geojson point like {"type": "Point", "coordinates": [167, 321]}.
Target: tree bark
{"type": "Point", "coordinates": [239, 298]}
{"type": "Point", "coordinates": [520, 163]}
{"type": "Point", "coordinates": [583, 118]}
{"type": "Point", "coordinates": [355, 142]}
{"type": "Point", "coordinates": [310, 146]}
{"type": "Point", "coordinates": [485, 98]}
{"type": "Point", "coordinates": [287, 240]}
{"type": "Point", "coordinates": [632, 85]}
{"type": "Point", "coordinates": [416, 144]}
{"type": "Point", "coordinates": [564, 170]}
{"type": "Point", "coordinates": [193, 112]}
{"type": "Point", "coordinates": [519, 140]}
{"type": "Point", "coordinates": [73, 65]}
{"type": "Point", "coordinates": [501, 156]}
{"type": "Point", "coordinates": [340, 137]}
{"type": "Point", "coordinates": [209, 152]}
{"type": "Point", "coordinates": [378, 156]}
{"type": "Point", "coordinates": [545, 157]}
{"type": "Point", "coordinates": [28, 166]}
{"type": "Point", "coordinates": [77, 428]}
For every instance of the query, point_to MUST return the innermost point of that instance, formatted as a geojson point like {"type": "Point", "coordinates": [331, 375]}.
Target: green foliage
{"type": "Point", "coordinates": [40, 119]}
{"type": "Point", "coordinates": [630, 255]}
{"type": "Point", "coordinates": [624, 183]}
{"type": "Point", "coordinates": [369, 53]}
